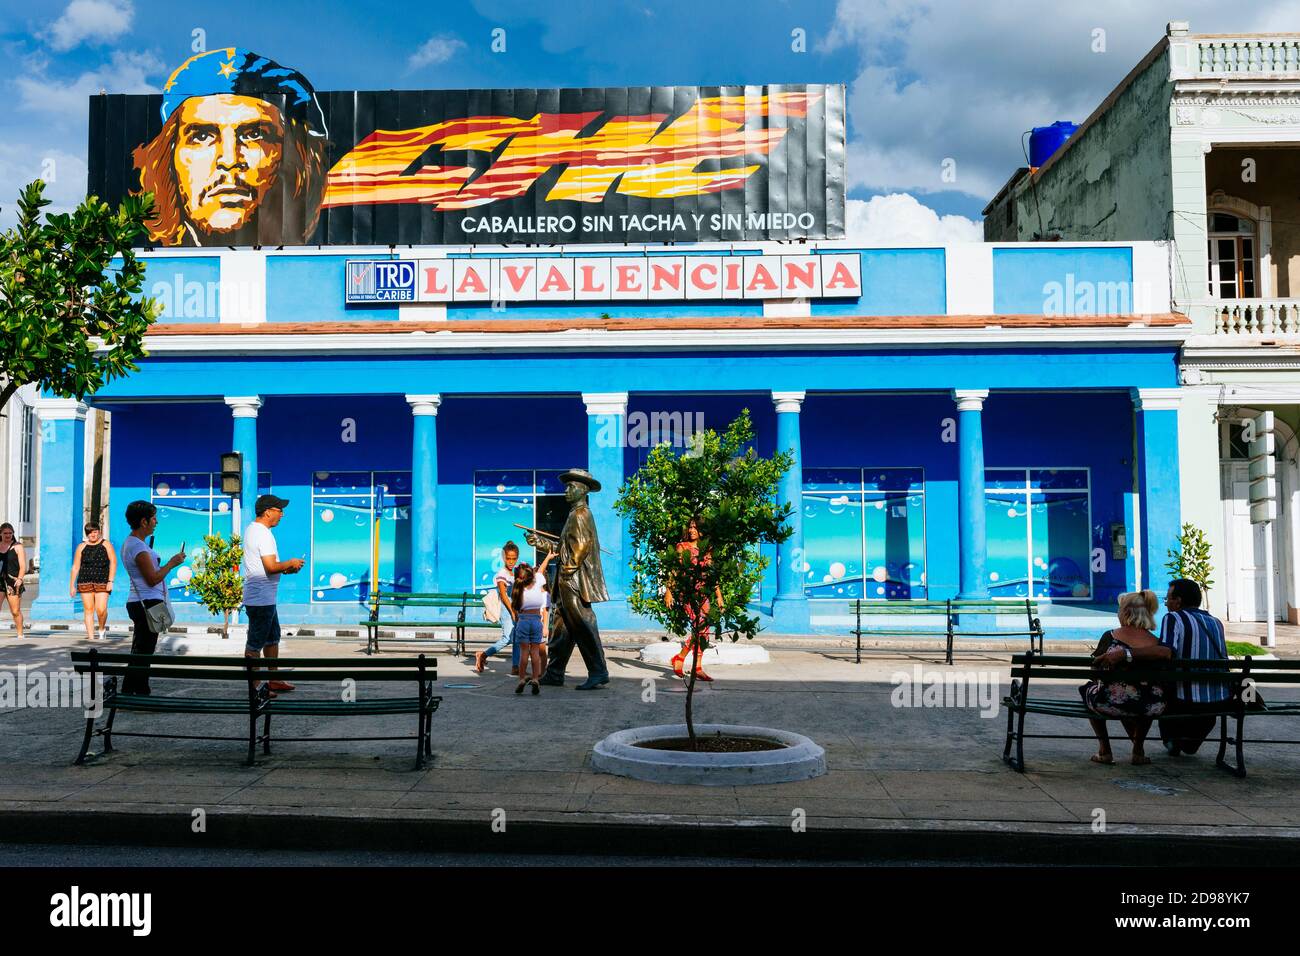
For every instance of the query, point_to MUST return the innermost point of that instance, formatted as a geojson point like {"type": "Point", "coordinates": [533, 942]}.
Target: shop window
{"type": "Point", "coordinates": [353, 514]}
{"type": "Point", "coordinates": [1232, 253]}
{"type": "Point", "coordinates": [1037, 523]}
{"type": "Point", "coordinates": [864, 533]}
{"type": "Point", "coordinates": [190, 506]}
{"type": "Point", "coordinates": [505, 498]}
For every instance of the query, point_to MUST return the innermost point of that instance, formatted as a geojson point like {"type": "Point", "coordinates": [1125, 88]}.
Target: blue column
{"type": "Point", "coordinates": [606, 422]}
{"type": "Point", "coordinates": [243, 410]}
{"type": "Point", "coordinates": [61, 480]}
{"type": "Point", "coordinates": [1159, 505]}
{"type": "Point", "coordinates": [424, 492]}
{"type": "Point", "coordinates": [790, 607]}
{"type": "Point", "coordinates": [970, 492]}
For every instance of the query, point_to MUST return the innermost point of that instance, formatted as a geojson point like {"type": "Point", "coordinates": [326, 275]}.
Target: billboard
{"type": "Point", "coordinates": [241, 151]}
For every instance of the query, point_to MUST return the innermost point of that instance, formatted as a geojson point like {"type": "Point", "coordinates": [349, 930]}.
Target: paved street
{"type": "Point", "coordinates": [527, 760]}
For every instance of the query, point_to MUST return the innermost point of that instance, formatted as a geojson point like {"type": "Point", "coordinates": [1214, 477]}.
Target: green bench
{"type": "Point", "coordinates": [1237, 674]}
{"type": "Point", "coordinates": [459, 601]}
{"type": "Point", "coordinates": [955, 624]}
{"type": "Point", "coordinates": [230, 688]}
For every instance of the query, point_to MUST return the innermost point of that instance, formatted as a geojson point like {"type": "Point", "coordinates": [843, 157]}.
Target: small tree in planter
{"type": "Point", "coordinates": [729, 493]}
{"type": "Point", "coordinates": [1192, 559]}
{"type": "Point", "coordinates": [216, 577]}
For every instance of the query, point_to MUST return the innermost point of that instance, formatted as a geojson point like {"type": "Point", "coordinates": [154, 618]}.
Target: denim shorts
{"type": "Point", "coordinates": [528, 629]}
{"type": "Point", "coordinates": [263, 626]}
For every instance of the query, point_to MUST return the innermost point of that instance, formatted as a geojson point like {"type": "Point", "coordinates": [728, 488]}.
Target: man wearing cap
{"type": "Point", "coordinates": [241, 158]}
{"type": "Point", "coordinates": [262, 570]}
{"type": "Point", "coordinates": [581, 584]}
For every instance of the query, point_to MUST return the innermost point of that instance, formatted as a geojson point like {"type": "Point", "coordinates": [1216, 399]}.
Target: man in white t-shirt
{"type": "Point", "coordinates": [262, 569]}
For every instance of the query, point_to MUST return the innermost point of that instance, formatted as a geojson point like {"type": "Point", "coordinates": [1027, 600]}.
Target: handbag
{"type": "Point", "coordinates": [492, 607]}
{"type": "Point", "coordinates": [160, 616]}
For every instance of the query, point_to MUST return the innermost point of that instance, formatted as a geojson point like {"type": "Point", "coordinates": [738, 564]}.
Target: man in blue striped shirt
{"type": "Point", "coordinates": [1191, 633]}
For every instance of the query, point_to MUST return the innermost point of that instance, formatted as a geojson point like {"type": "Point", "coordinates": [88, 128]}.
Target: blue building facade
{"type": "Point", "coordinates": [976, 421]}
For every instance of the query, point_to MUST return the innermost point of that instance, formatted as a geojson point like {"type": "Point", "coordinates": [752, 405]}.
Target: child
{"type": "Point", "coordinates": [532, 604]}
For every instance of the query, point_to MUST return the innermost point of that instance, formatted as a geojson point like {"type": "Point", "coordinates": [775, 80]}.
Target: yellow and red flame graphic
{"type": "Point", "coordinates": [632, 151]}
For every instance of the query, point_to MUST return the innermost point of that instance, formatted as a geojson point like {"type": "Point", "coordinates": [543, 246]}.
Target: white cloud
{"type": "Point", "coordinates": [97, 21]}
{"type": "Point", "coordinates": [65, 101]}
{"type": "Point", "coordinates": [955, 79]}
{"type": "Point", "coordinates": [898, 219]}
{"type": "Point", "coordinates": [439, 48]}
{"type": "Point", "coordinates": [20, 163]}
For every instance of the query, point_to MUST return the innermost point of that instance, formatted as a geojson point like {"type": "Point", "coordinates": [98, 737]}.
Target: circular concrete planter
{"type": "Point", "coordinates": [661, 652]}
{"type": "Point", "coordinates": [799, 759]}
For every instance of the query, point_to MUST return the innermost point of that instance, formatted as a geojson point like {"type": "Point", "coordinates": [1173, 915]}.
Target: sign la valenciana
{"type": "Point", "coordinates": [614, 278]}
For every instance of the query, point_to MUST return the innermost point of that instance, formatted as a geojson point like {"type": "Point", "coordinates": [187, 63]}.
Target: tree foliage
{"type": "Point", "coordinates": [1192, 559]}
{"type": "Point", "coordinates": [216, 579]}
{"type": "Point", "coordinates": [72, 316]}
{"type": "Point", "coordinates": [729, 493]}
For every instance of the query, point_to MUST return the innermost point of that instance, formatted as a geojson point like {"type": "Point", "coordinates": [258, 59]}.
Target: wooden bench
{"type": "Point", "coordinates": [1236, 674]}
{"type": "Point", "coordinates": [235, 687]}
{"type": "Point", "coordinates": [459, 601]}
{"type": "Point", "coordinates": [953, 612]}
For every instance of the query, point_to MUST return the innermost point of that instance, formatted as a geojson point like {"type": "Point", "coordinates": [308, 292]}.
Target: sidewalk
{"type": "Point", "coordinates": [903, 782]}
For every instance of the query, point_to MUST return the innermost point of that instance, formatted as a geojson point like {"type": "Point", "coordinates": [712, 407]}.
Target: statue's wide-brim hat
{"type": "Point", "coordinates": [581, 476]}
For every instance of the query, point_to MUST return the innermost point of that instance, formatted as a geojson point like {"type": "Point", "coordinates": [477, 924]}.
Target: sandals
{"type": "Point", "coordinates": [1104, 759]}
{"type": "Point", "coordinates": [536, 689]}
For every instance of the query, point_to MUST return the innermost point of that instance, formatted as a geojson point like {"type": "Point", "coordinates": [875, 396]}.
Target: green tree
{"type": "Point", "coordinates": [1192, 559]}
{"type": "Point", "coordinates": [729, 493]}
{"type": "Point", "coordinates": [72, 316]}
{"type": "Point", "coordinates": [216, 578]}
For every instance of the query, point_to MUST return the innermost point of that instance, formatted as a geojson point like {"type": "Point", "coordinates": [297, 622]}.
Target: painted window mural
{"type": "Point", "coordinates": [503, 499]}
{"type": "Point", "coordinates": [190, 506]}
{"type": "Point", "coordinates": [1038, 537]}
{"type": "Point", "coordinates": [864, 533]}
{"type": "Point", "coordinates": [344, 506]}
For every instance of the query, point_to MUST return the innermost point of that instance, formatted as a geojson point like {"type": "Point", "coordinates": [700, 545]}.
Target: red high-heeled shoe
{"type": "Point", "coordinates": [679, 662]}
{"type": "Point", "coordinates": [699, 671]}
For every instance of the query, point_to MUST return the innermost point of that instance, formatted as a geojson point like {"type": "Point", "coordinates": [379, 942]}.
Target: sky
{"type": "Point", "coordinates": [939, 93]}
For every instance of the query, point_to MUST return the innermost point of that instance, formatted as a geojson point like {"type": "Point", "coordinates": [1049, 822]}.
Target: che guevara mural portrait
{"type": "Point", "coordinates": [241, 156]}
{"type": "Point", "coordinates": [239, 150]}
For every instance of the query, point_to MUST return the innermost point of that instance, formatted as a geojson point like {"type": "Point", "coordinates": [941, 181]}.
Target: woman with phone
{"type": "Point", "coordinates": [148, 587]}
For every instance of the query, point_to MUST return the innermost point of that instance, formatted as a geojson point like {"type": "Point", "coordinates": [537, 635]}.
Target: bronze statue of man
{"type": "Point", "coordinates": [580, 584]}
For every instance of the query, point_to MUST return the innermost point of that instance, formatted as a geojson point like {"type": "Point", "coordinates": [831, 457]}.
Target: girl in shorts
{"type": "Point", "coordinates": [532, 603]}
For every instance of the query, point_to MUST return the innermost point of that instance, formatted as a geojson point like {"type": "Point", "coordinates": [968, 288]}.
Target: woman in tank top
{"type": "Point", "coordinates": [93, 566]}
{"type": "Point", "coordinates": [13, 565]}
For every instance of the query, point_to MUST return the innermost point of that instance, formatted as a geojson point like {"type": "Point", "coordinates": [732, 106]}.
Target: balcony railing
{"type": "Point", "coordinates": [1258, 55]}
{"type": "Point", "coordinates": [1256, 317]}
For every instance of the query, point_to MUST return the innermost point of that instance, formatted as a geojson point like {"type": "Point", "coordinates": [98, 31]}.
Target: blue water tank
{"type": "Point", "coordinates": [1046, 140]}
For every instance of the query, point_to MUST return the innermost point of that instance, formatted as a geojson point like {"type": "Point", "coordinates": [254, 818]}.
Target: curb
{"type": "Point", "coordinates": [662, 835]}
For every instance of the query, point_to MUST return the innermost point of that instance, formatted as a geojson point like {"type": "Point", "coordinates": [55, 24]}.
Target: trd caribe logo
{"type": "Point", "coordinates": [381, 281]}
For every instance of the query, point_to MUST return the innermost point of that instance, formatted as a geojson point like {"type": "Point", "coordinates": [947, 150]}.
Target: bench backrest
{"type": "Point", "coordinates": [952, 609]}
{"type": "Point", "coordinates": [1231, 671]}
{"type": "Point", "coordinates": [199, 667]}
